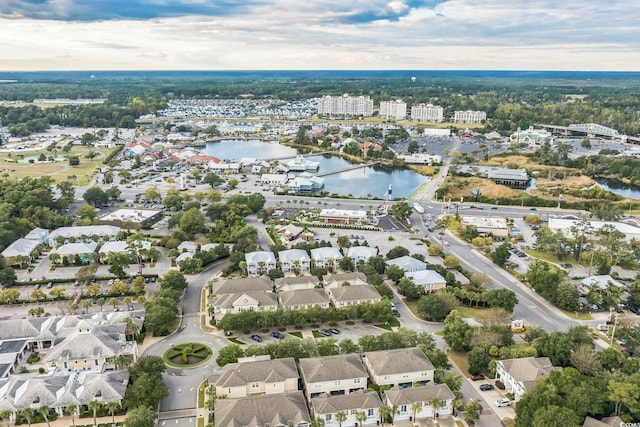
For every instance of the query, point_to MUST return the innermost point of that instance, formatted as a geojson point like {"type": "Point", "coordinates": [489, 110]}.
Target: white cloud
{"type": "Point", "coordinates": [290, 34]}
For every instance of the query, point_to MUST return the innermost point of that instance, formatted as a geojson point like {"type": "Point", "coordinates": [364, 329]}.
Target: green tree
{"type": "Point", "coordinates": [117, 264]}
{"type": "Point", "coordinates": [113, 407]}
{"type": "Point", "coordinates": [501, 254]}
{"type": "Point", "coordinates": [556, 416]}
{"type": "Point", "coordinates": [95, 196]}
{"type": "Point", "coordinates": [457, 332]}
{"type": "Point", "coordinates": [395, 273]}
{"type": "Point", "coordinates": [361, 417]}
{"type": "Point", "coordinates": [436, 305]}
{"type": "Point", "coordinates": [623, 394]}
{"type": "Point", "coordinates": [44, 411]}
{"type": "Point", "coordinates": [401, 210]}
{"type": "Point", "coordinates": [472, 410]}
{"type": "Point", "coordinates": [229, 354]}
{"type": "Point", "coordinates": [88, 212]}
{"type": "Point", "coordinates": [341, 417]}
{"type": "Point", "coordinates": [192, 222]}
{"type": "Point", "coordinates": [415, 407]}
{"type": "Point", "coordinates": [27, 414]}
{"type": "Point", "coordinates": [212, 179]}
{"type": "Point", "coordinates": [232, 183]}
{"type": "Point", "coordinates": [503, 298]}
{"type": "Point", "coordinates": [435, 404]}
{"type": "Point", "coordinates": [94, 406]}
{"type": "Point", "coordinates": [71, 409]}
{"type": "Point", "coordinates": [140, 416]}
{"type": "Point", "coordinates": [385, 413]}
{"type": "Point", "coordinates": [397, 252]}
{"type": "Point", "coordinates": [6, 416]}
{"type": "Point", "coordinates": [174, 280]}
{"type": "Point", "coordinates": [8, 277]}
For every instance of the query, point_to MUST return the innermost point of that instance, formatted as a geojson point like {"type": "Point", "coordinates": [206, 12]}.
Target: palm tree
{"type": "Point", "coordinates": [86, 304]}
{"type": "Point", "coordinates": [415, 407]}
{"type": "Point", "coordinates": [120, 361]}
{"type": "Point", "coordinates": [113, 407]}
{"type": "Point", "coordinates": [94, 405]}
{"type": "Point", "coordinates": [71, 410]}
{"type": "Point", "coordinates": [361, 417]}
{"type": "Point", "coordinates": [317, 422]}
{"type": "Point", "coordinates": [6, 415]}
{"type": "Point", "coordinates": [27, 414]}
{"type": "Point", "coordinates": [44, 410]}
{"type": "Point", "coordinates": [395, 410]}
{"type": "Point", "coordinates": [435, 404]}
{"type": "Point", "coordinates": [385, 413]}
{"type": "Point", "coordinates": [341, 417]}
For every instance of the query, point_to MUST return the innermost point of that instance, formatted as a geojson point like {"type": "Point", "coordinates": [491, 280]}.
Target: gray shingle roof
{"type": "Point", "coordinates": [249, 284]}
{"type": "Point", "coordinates": [398, 361]}
{"type": "Point", "coordinates": [407, 396]}
{"type": "Point", "coordinates": [330, 368]}
{"type": "Point", "coordinates": [100, 341]}
{"type": "Point", "coordinates": [355, 293]}
{"type": "Point", "coordinates": [258, 411]}
{"type": "Point", "coordinates": [303, 297]}
{"type": "Point", "coordinates": [227, 300]}
{"type": "Point", "coordinates": [356, 401]}
{"type": "Point", "coordinates": [238, 374]}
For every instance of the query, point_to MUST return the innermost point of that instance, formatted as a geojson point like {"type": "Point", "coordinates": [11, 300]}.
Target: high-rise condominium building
{"type": "Point", "coordinates": [396, 110]}
{"type": "Point", "coordinates": [469, 116]}
{"type": "Point", "coordinates": [345, 105]}
{"type": "Point", "coordinates": [426, 113]}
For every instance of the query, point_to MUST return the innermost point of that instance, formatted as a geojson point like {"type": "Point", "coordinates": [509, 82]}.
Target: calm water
{"type": "Point", "coordinates": [628, 191]}
{"type": "Point", "coordinates": [361, 182]}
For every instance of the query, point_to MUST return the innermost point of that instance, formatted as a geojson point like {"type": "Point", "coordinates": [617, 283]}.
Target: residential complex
{"type": "Point", "coordinates": [345, 105]}
{"type": "Point", "coordinates": [427, 113]}
{"type": "Point", "coordinates": [469, 116]}
{"type": "Point", "coordinates": [396, 110]}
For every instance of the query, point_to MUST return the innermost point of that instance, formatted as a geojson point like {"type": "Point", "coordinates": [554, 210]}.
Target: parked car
{"type": "Point", "coordinates": [396, 313]}
{"type": "Point", "coordinates": [324, 332]}
{"type": "Point", "coordinates": [277, 335]}
{"type": "Point", "coordinates": [567, 266]}
{"type": "Point", "coordinates": [503, 401]}
{"type": "Point", "coordinates": [486, 387]}
{"type": "Point", "coordinates": [49, 285]}
{"type": "Point", "coordinates": [256, 338]}
{"type": "Point", "coordinates": [477, 377]}
{"type": "Point", "coordinates": [334, 331]}
{"type": "Point", "coordinates": [37, 286]}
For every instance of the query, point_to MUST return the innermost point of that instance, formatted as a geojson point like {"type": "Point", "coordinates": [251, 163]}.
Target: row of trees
{"type": "Point", "coordinates": [610, 379]}
{"type": "Point", "coordinates": [162, 309]}
{"type": "Point", "coordinates": [145, 391]}
{"type": "Point", "coordinates": [248, 320]}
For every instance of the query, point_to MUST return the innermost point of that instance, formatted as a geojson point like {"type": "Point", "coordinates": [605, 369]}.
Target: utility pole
{"type": "Point", "coordinates": [616, 318]}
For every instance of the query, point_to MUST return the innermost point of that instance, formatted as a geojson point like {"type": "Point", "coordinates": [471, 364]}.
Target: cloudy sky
{"type": "Point", "coordinates": [319, 34]}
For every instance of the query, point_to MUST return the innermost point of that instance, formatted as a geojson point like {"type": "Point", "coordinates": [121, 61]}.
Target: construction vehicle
{"type": "Point", "coordinates": [517, 326]}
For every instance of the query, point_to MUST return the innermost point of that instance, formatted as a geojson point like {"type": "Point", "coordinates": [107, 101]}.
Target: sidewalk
{"type": "Point", "coordinates": [66, 421]}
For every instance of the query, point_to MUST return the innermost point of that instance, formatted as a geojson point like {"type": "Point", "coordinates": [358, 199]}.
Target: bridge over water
{"type": "Point", "coordinates": [350, 168]}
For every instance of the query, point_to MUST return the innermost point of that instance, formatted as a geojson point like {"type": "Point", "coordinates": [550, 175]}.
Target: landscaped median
{"type": "Point", "coordinates": [188, 355]}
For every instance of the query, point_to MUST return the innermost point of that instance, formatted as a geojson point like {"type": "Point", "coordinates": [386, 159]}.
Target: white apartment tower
{"type": "Point", "coordinates": [469, 116]}
{"type": "Point", "coordinates": [345, 105]}
{"type": "Point", "coordinates": [396, 110]}
{"type": "Point", "coordinates": [426, 113]}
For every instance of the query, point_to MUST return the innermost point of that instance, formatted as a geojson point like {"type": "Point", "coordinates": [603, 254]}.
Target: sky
{"type": "Point", "coordinates": [319, 34]}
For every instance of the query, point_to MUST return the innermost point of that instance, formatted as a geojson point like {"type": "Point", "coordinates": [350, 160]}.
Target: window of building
{"type": "Point", "coordinates": [327, 417]}
{"type": "Point", "coordinates": [255, 385]}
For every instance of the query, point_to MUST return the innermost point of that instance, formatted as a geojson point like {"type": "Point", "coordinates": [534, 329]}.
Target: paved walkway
{"type": "Point", "coordinates": [66, 421]}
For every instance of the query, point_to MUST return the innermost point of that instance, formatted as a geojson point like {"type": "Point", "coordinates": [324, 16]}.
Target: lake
{"type": "Point", "coordinates": [364, 182]}
{"type": "Point", "coordinates": [619, 188]}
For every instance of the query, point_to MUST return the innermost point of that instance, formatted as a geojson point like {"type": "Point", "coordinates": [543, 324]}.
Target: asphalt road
{"type": "Point", "coordinates": [183, 383]}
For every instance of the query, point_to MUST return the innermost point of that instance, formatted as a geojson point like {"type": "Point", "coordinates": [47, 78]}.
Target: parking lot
{"type": "Point", "coordinates": [491, 396]}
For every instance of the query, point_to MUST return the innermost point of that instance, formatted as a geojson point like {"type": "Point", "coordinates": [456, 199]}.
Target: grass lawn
{"type": "Point", "coordinates": [317, 334]}
{"type": "Point", "coordinates": [201, 393]}
{"type": "Point", "coordinates": [236, 341]}
{"type": "Point", "coordinates": [413, 306]}
{"type": "Point", "coordinates": [460, 360]}
{"type": "Point", "coordinates": [58, 171]}
{"type": "Point", "coordinates": [476, 313]}
{"type": "Point", "coordinates": [580, 316]}
{"type": "Point", "coordinates": [509, 422]}
{"type": "Point", "coordinates": [296, 334]}
{"type": "Point", "coordinates": [201, 422]}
